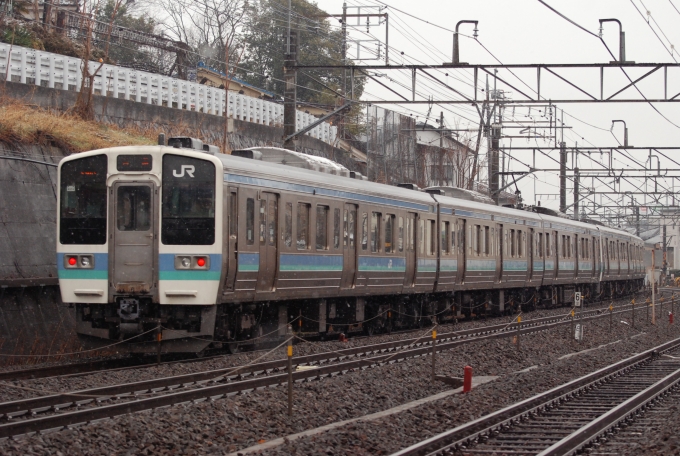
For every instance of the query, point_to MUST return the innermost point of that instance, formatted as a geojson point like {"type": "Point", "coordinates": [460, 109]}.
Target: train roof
{"type": "Point", "coordinates": [279, 176]}
{"type": "Point", "coordinates": [255, 172]}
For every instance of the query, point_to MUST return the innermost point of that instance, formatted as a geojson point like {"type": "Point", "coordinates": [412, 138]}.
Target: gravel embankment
{"type": "Point", "coordinates": [244, 420]}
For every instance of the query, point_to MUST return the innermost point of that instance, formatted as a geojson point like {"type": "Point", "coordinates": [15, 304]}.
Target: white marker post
{"type": "Point", "coordinates": [579, 327]}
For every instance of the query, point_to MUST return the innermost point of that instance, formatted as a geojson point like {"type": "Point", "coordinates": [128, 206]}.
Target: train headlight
{"type": "Point", "coordinates": [85, 261]}
{"type": "Point", "coordinates": [192, 262]}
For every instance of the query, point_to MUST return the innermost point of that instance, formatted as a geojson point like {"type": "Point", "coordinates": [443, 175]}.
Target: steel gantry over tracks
{"type": "Point", "coordinates": [556, 72]}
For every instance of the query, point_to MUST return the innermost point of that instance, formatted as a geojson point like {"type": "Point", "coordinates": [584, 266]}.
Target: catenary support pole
{"type": "Point", "coordinates": [563, 177]}
{"type": "Point", "coordinates": [290, 93]}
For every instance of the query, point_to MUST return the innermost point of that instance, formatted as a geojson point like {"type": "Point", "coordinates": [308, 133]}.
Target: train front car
{"type": "Point", "coordinates": [139, 248]}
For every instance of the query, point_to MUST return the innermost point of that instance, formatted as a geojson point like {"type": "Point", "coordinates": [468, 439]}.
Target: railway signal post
{"type": "Point", "coordinates": [434, 351]}
{"type": "Point", "coordinates": [633, 313]}
{"type": "Point", "coordinates": [579, 327]}
{"type": "Point", "coordinates": [290, 370]}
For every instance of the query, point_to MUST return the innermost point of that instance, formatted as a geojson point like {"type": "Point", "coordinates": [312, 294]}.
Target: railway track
{"type": "Point", "coordinates": [67, 409]}
{"type": "Point", "coordinates": [568, 418]}
{"type": "Point", "coordinates": [113, 365]}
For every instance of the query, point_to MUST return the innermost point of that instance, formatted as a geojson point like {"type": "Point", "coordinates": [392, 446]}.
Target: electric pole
{"type": "Point", "coordinates": [576, 195]}
{"type": "Point", "coordinates": [563, 177]}
{"type": "Point", "coordinates": [290, 90]}
{"type": "Point", "coordinates": [440, 170]}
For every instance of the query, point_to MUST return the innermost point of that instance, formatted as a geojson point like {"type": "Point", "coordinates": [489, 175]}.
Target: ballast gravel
{"type": "Point", "coordinates": [238, 422]}
{"type": "Point", "coordinates": [22, 389]}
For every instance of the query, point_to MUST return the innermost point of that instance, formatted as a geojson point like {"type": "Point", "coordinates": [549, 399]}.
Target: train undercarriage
{"type": "Point", "coordinates": [139, 325]}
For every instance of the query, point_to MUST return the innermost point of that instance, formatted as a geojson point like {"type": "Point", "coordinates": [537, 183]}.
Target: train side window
{"type": "Point", "coordinates": [303, 226]}
{"type": "Point", "coordinates": [273, 218]}
{"type": "Point", "coordinates": [389, 233]}
{"type": "Point", "coordinates": [432, 237]}
{"type": "Point", "coordinates": [454, 229]}
{"type": "Point", "coordinates": [409, 234]}
{"type": "Point", "coordinates": [263, 220]}
{"type": "Point", "coordinates": [233, 214]}
{"type": "Point", "coordinates": [548, 252]}
{"type": "Point", "coordinates": [364, 231]}
{"type": "Point", "coordinates": [250, 221]}
{"type": "Point", "coordinates": [421, 236]}
{"type": "Point", "coordinates": [345, 228]}
{"type": "Point", "coordinates": [288, 228]}
{"type": "Point", "coordinates": [539, 245]}
{"type": "Point", "coordinates": [506, 246]}
{"type": "Point", "coordinates": [476, 241]}
{"type": "Point", "coordinates": [445, 238]}
{"type": "Point", "coordinates": [487, 240]}
{"type": "Point", "coordinates": [520, 244]}
{"type": "Point", "coordinates": [400, 243]}
{"type": "Point", "coordinates": [321, 227]}
{"type": "Point", "coordinates": [336, 228]}
{"type": "Point", "coordinates": [376, 219]}
{"type": "Point", "coordinates": [513, 247]}
{"type": "Point", "coordinates": [352, 221]}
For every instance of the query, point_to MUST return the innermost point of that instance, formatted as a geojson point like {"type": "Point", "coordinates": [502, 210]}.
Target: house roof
{"type": "Point", "coordinates": [237, 80]}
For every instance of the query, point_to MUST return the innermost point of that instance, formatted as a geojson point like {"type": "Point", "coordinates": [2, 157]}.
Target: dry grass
{"type": "Point", "coordinates": [28, 125]}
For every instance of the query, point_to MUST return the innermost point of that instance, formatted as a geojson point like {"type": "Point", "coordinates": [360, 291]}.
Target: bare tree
{"type": "Point", "coordinates": [83, 106]}
{"type": "Point", "coordinates": [210, 27]}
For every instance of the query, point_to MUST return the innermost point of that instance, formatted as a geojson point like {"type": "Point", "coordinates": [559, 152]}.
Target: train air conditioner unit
{"type": "Point", "coordinates": [184, 142]}
{"type": "Point", "coordinates": [409, 186]}
{"type": "Point", "coordinates": [296, 159]}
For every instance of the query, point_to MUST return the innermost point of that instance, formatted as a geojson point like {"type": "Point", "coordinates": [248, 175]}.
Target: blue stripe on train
{"type": "Point", "coordinates": [307, 262]}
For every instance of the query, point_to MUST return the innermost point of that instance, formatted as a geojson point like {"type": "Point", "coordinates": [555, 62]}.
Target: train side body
{"type": "Point", "coordinates": [222, 249]}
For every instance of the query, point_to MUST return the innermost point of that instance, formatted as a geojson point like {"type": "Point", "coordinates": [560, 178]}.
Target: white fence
{"type": "Point", "coordinates": [29, 66]}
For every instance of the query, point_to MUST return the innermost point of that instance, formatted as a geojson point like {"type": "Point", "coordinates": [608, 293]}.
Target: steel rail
{"type": "Point", "coordinates": [586, 434]}
{"type": "Point", "coordinates": [221, 390]}
{"type": "Point", "coordinates": [489, 423]}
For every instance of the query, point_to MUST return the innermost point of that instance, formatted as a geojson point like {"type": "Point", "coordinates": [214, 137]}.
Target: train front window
{"type": "Point", "coordinates": [134, 208]}
{"type": "Point", "coordinates": [82, 212]}
{"type": "Point", "coordinates": [188, 209]}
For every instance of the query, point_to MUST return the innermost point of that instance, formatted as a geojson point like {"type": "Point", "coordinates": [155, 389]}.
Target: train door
{"type": "Point", "coordinates": [349, 246]}
{"type": "Point", "coordinates": [531, 251]}
{"type": "Point", "coordinates": [501, 252]}
{"type": "Point", "coordinates": [577, 252]}
{"type": "Point", "coordinates": [133, 237]}
{"type": "Point", "coordinates": [232, 243]}
{"type": "Point", "coordinates": [555, 248]}
{"type": "Point", "coordinates": [462, 250]}
{"type": "Point", "coordinates": [593, 257]}
{"type": "Point", "coordinates": [411, 232]}
{"type": "Point", "coordinates": [268, 238]}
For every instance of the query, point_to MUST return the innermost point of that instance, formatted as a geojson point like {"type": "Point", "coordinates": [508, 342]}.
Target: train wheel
{"type": "Point", "coordinates": [233, 348]}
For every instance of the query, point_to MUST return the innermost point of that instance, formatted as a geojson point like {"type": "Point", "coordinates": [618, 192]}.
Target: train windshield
{"type": "Point", "coordinates": [82, 215]}
{"type": "Point", "coordinates": [188, 201]}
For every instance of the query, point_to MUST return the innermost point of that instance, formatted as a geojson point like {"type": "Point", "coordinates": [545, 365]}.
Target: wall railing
{"type": "Point", "coordinates": [55, 71]}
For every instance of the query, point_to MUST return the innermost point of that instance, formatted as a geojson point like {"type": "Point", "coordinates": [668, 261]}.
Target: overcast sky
{"type": "Point", "coordinates": [526, 31]}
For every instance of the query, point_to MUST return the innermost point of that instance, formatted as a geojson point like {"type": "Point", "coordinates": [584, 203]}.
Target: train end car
{"type": "Point", "coordinates": [138, 245]}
